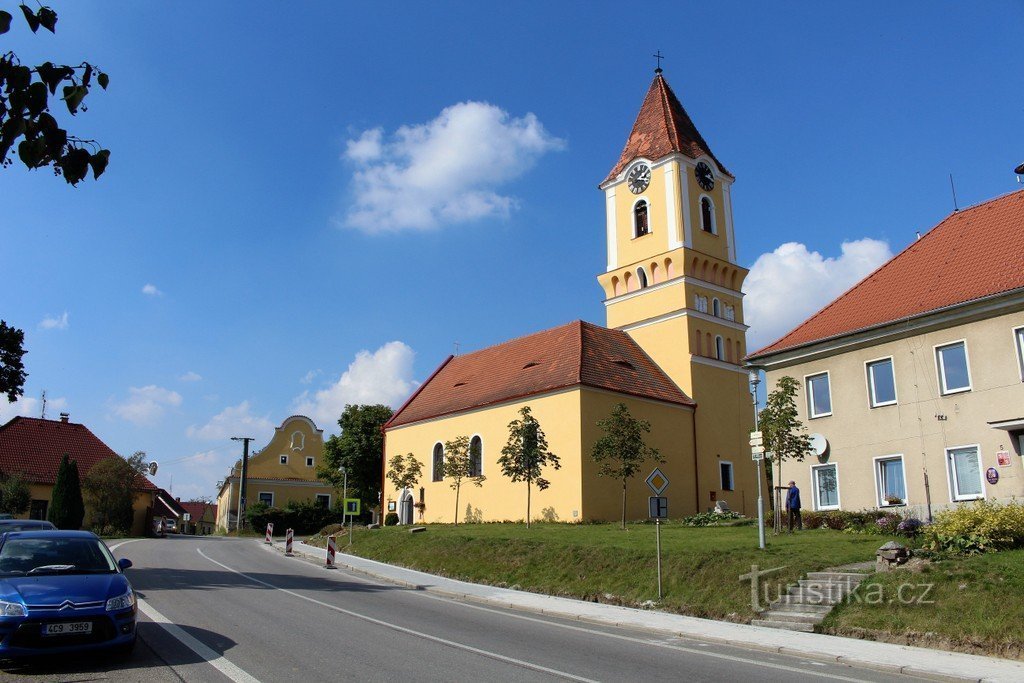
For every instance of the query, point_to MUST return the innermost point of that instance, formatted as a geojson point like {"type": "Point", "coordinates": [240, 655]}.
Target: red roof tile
{"type": "Point", "coordinates": [33, 448]}
{"type": "Point", "coordinates": [662, 127]}
{"type": "Point", "coordinates": [570, 355]}
{"type": "Point", "coordinates": [972, 254]}
{"type": "Point", "coordinates": [197, 510]}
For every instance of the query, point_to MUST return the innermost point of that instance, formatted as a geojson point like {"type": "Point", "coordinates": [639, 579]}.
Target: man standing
{"type": "Point", "coordinates": [793, 507]}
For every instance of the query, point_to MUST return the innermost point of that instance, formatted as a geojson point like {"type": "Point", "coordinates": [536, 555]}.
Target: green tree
{"type": "Point", "coordinates": [404, 471]}
{"type": "Point", "coordinates": [12, 369]}
{"type": "Point", "coordinates": [458, 466]}
{"type": "Point", "coordinates": [526, 454]}
{"type": "Point", "coordinates": [25, 108]}
{"type": "Point", "coordinates": [622, 450]}
{"type": "Point", "coordinates": [15, 495]}
{"type": "Point", "coordinates": [110, 488]}
{"type": "Point", "coordinates": [66, 507]}
{"type": "Point", "coordinates": [783, 434]}
{"type": "Point", "coordinates": [360, 450]}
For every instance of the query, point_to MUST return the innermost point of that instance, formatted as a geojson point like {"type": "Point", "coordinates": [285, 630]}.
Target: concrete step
{"type": "Point", "coordinates": [800, 608]}
{"type": "Point", "coordinates": [800, 599]}
{"type": "Point", "coordinates": [816, 596]}
{"type": "Point", "coordinates": [849, 577]}
{"type": "Point", "coordinates": [787, 625]}
{"type": "Point", "coordinates": [802, 617]}
{"type": "Point", "coordinates": [827, 585]}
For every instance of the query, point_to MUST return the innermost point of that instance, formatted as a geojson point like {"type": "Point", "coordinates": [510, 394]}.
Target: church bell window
{"type": "Point", "coordinates": [641, 226]}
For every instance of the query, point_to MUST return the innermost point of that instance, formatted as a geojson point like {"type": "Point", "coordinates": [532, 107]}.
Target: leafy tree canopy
{"type": "Point", "coordinates": [360, 450]}
{"type": "Point", "coordinates": [25, 115]}
{"type": "Point", "coordinates": [12, 369]}
{"type": "Point", "coordinates": [15, 495]}
{"type": "Point", "coordinates": [622, 451]}
{"type": "Point", "coordinates": [110, 488]}
{"type": "Point", "coordinates": [459, 466]}
{"type": "Point", "coordinates": [404, 471]}
{"type": "Point", "coordinates": [526, 454]}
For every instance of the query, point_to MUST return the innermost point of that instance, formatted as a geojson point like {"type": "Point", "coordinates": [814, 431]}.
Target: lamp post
{"type": "Point", "coordinates": [344, 505]}
{"type": "Point", "coordinates": [755, 379]}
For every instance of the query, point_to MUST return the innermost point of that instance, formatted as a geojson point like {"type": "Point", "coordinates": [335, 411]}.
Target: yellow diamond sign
{"type": "Point", "coordinates": [657, 481]}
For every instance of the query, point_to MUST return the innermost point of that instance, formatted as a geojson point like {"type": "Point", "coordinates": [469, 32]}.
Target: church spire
{"type": "Point", "coordinates": [662, 127]}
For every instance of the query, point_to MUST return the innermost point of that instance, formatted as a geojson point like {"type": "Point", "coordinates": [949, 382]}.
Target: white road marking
{"type": "Point", "coordinates": [400, 629]}
{"type": "Point", "coordinates": [131, 540]}
{"type": "Point", "coordinates": [215, 659]}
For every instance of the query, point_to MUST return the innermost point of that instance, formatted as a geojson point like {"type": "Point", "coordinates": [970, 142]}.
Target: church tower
{"type": "Point", "coordinates": [672, 283]}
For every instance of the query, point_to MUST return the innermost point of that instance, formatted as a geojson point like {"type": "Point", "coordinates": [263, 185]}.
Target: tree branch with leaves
{"type": "Point", "coordinates": [12, 369]}
{"type": "Point", "coordinates": [783, 434]}
{"type": "Point", "coordinates": [526, 454]}
{"type": "Point", "coordinates": [458, 466]}
{"type": "Point", "coordinates": [622, 451]}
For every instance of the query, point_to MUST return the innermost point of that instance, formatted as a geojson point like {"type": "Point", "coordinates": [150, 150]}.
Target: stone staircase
{"type": "Point", "coordinates": [807, 603]}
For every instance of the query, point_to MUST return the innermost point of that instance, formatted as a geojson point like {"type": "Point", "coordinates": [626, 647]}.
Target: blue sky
{"type": "Point", "coordinates": [241, 135]}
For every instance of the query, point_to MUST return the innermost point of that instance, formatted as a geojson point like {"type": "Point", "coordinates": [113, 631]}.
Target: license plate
{"type": "Point", "coordinates": [67, 628]}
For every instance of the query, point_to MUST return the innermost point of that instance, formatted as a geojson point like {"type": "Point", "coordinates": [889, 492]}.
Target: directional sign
{"type": "Point", "coordinates": [756, 438]}
{"type": "Point", "coordinates": [658, 507]}
{"type": "Point", "coordinates": [657, 481]}
{"type": "Point", "coordinates": [757, 455]}
{"type": "Point", "coordinates": [757, 449]}
{"type": "Point", "coordinates": [352, 506]}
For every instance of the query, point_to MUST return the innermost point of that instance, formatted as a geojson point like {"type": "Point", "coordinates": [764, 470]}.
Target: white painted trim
{"type": "Point", "coordinates": [434, 479]}
{"type": "Point", "coordinates": [940, 367]}
{"type": "Point", "coordinates": [732, 475]}
{"type": "Point", "coordinates": [308, 463]}
{"type": "Point", "coordinates": [727, 209]}
{"type": "Point", "coordinates": [954, 496]}
{"type": "Point", "coordinates": [610, 226]}
{"type": "Point", "coordinates": [714, 212]}
{"type": "Point", "coordinates": [302, 441]}
{"type": "Point", "coordinates": [684, 193]}
{"type": "Point", "coordinates": [809, 395]}
{"type": "Point", "coordinates": [720, 364]}
{"type": "Point", "coordinates": [869, 378]}
{"type": "Point", "coordinates": [673, 239]}
{"type": "Point", "coordinates": [302, 418]}
{"type": "Point", "coordinates": [678, 280]}
{"type": "Point", "coordinates": [632, 217]}
{"type": "Point", "coordinates": [271, 493]}
{"type": "Point", "coordinates": [308, 483]}
{"type": "Point", "coordinates": [285, 462]}
{"type": "Point", "coordinates": [1018, 341]}
{"type": "Point", "coordinates": [682, 313]}
{"type": "Point", "coordinates": [814, 488]}
{"type": "Point", "coordinates": [880, 503]}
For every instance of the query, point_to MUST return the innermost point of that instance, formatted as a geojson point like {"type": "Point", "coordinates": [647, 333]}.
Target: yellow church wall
{"type": "Point", "coordinates": [712, 244]}
{"type": "Point", "coordinates": [665, 343]}
{"type": "Point", "coordinates": [636, 249]}
{"type": "Point", "coordinates": [671, 433]}
{"type": "Point", "coordinates": [498, 498]}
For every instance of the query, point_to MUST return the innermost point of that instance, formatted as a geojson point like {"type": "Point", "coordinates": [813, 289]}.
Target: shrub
{"type": "Point", "coordinates": [304, 517]}
{"type": "Point", "coordinates": [391, 519]}
{"type": "Point", "coordinates": [813, 520]}
{"type": "Point", "coordinates": [910, 526]}
{"type": "Point", "coordinates": [710, 518]}
{"type": "Point", "coordinates": [977, 527]}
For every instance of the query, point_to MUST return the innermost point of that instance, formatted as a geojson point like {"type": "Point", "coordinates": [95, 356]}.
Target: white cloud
{"type": "Point", "coordinates": [788, 285]}
{"type": "Point", "coordinates": [145, 405]}
{"type": "Point", "coordinates": [233, 421]}
{"type": "Point", "coordinates": [190, 376]}
{"type": "Point", "coordinates": [30, 407]}
{"type": "Point", "coordinates": [384, 376]}
{"type": "Point", "coordinates": [310, 376]}
{"type": "Point", "coordinates": [58, 323]}
{"type": "Point", "coordinates": [444, 171]}
{"type": "Point", "coordinates": [151, 290]}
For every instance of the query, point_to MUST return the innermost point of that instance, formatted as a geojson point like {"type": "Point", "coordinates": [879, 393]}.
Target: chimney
{"type": "Point", "coordinates": [178, 499]}
{"type": "Point", "coordinates": [64, 417]}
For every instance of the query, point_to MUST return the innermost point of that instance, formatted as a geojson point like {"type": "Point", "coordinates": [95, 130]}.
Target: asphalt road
{"type": "Point", "coordinates": [215, 609]}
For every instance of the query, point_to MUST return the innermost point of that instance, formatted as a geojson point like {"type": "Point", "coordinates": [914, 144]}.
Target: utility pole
{"type": "Point", "coordinates": [245, 471]}
{"type": "Point", "coordinates": [755, 379]}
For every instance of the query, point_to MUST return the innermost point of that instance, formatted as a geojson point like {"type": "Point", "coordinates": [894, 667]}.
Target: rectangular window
{"type": "Point", "coordinates": [954, 375]}
{"type": "Point", "coordinates": [284, 459]}
{"type": "Point", "coordinates": [323, 499]}
{"type": "Point", "coordinates": [881, 383]}
{"type": "Point", "coordinates": [965, 473]}
{"type": "Point", "coordinates": [37, 510]}
{"type": "Point", "coordinates": [819, 396]}
{"type": "Point", "coordinates": [825, 481]}
{"type": "Point", "coordinates": [267, 497]}
{"type": "Point", "coordinates": [725, 468]}
{"type": "Point", "coordinates": [1019, 335]}
{"type": "Point", "coordinates": [892, 487]}
{"type": "Point", "coordinates": [309, 461]}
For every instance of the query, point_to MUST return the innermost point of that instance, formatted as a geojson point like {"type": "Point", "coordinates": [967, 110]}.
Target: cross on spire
{"type": "Point", "coordinates": [657, 55]}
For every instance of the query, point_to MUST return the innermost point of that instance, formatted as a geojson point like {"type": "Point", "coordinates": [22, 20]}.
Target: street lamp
{"type": "Point", "coordinates": [344, 505]}
{"type": "Point", "coordinates": [755, 379]}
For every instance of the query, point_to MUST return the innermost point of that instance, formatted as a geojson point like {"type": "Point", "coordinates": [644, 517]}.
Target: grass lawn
{"type": "Point", "coordinates": [976, 605]}
{"type": "Point", "coordinates": [601, 562]}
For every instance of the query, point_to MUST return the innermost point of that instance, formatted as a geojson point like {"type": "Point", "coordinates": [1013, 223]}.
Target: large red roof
{"type": "Point", "coordinates": [662, 127]}
{"type": "Point", "coordinates": [972, 254]}
{"type": "Point", "coordinates": [578, 353]}
{"type": "Point", "coordinates": [33, 448]}
{"type": "Point", "coordinates": [198, 509]}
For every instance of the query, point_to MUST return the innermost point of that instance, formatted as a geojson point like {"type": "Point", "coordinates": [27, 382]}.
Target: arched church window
{"type": "Point", "coordinates": [476, 457]}
{"type": "Point", "coordinates": [640, 223]}
{"type": "Point", "coordinates": [716, 308]}
{"type": "Point", "coordinates": [707, 215]}
{"type": "Point", "coordinates": [438, 473]}
{"type": "Point", "coordinates": [641, 276]}
{"type": "Point", "coordinates": [697, 344]}
{"type": "Point", "coordinates": [719, 348]}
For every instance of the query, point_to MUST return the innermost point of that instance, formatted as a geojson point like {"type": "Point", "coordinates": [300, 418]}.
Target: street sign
{"type": "Point", "coordinates": [657, 481]}
{"type": "Point", "coordinates": [658, 507]}
{"type": "Point", "coordinates": [757, 455]}
{"type": "Point", "coordinates": [352, 506]}
{"type": "Point", "coordinates": [756, 438]}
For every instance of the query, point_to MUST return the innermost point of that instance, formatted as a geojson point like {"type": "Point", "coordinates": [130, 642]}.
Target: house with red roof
{"type": "Point", "coordinates": [201, 518]}
{"type": "Point", "coordinates": [914, 377]}
{"type": "Point", "coordinates": [33, 448]}
{"type": "Point", "coordinates": [671, 351]}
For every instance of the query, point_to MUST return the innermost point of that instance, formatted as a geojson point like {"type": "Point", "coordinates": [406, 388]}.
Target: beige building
{"type": "Point", "coordinates": [915, 376]}
{"type": "Point", "coordinates": [281, 472]}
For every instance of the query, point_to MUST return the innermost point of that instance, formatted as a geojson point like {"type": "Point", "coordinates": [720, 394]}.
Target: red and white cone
{"type": "Point", "coordinates": [270, 533]}
{"type": "Point", "coordinates": [331, 546]}
{"type": "Point", "coordinates": [288, 536]}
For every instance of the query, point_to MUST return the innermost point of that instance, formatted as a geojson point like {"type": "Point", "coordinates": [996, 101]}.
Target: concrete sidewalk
{"type": "Point", "coordinates": [884, 656]}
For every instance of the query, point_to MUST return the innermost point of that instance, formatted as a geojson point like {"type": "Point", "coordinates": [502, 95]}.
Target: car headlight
{"type": "Point", "coordinates": [12, 609]}
{"type": "Point", "coordinates": [121, 601]}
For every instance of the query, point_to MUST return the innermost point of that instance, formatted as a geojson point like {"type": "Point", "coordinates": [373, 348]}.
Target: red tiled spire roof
{"type": "Point", "coordinates": [33, 448]}
{"type": "Point", "coordinates": [972, 254]}
{"type": "Point", "coordinates": [570, 355]}
{"type": "Point", "coordinates": [662, 127]}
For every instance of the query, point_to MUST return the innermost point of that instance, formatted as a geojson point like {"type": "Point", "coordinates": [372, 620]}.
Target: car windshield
{"type": "Point", "coordinates": [20, 556]}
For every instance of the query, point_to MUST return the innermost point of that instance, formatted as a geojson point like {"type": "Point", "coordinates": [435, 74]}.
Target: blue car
{"type": "Point", "coordinates": [62, 591]}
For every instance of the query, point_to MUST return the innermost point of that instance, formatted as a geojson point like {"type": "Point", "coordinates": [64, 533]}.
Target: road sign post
{"type": "Point", "coordinates": [757, 454]}
{"type": "Point", "coordinates": [352, 506]}
{"type": "Point", "coordinates": [658, 503]}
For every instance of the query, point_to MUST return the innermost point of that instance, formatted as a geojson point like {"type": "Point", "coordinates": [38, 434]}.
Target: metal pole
{"type": "Point", "coordinates": [344, 505]}
{"type": "Point", "coordinates": [759, 466]}
{"type": "Point", "coordinates": [657, 535]}
{"type": "Point", "coordinates": [240, 524]}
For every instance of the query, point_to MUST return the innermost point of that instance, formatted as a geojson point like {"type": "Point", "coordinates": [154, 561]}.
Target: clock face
{"type": "Point", "coordinates": [705, 178]}
{"type": "Point", "coordinates": [639, 178]}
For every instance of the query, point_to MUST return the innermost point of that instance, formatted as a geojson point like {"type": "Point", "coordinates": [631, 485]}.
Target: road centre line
{"type": "Point", "coordinates": [401, 629]}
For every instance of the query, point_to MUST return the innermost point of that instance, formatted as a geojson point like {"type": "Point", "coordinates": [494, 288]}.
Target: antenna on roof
{"type": "Point", "coordinates": [457, 345]}
{"type": "Point", "coordinates": [953, 188]}
{"type": "Point", "coordinates": [42, 412]}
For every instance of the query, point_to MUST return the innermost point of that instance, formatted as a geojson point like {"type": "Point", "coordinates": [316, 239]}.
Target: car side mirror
{"type": "Point", "coordinates": [124, 563]}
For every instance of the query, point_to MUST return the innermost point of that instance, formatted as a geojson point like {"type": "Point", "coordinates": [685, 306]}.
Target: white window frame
{"type": "Point", "coordinates": [284, 460]}
{"type": "Point", "coordinates": [700, 213]}
{"type": "Point", "coordinates": [940, 368]}
{"type": "Point", "coordinates": [259, 497]}
{"type": "Point", "coordinates": [879, 488]}
{"type": "Point", "coordinates": [1018, 341]}
{"type": "Point", "coordinates": [871, 382]}
{"type": "Point", "coordinates": [954, 495]}
{"type": "Point", "coordinates": [814, 487]}
{"type": "Point", "coordinates": [310, 461]}
{"type": "Point", "coordinates": [317, 497]}
{"type": "Point", "coordinates": [811, 415]}
{"type": "Point", "coordinates": [732, 475]}
{"type": "Point", "coordinates": [632, 213]}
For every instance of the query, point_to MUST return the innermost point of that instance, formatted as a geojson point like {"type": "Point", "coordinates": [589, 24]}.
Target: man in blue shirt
{"type": "Point", "coordinates": [793, 506]}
